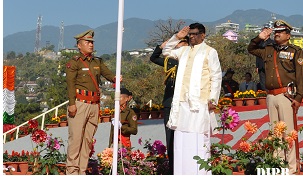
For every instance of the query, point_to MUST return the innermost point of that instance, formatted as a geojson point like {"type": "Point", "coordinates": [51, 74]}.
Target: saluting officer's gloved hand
{"type": "Point", "coordinates": [119, 125]}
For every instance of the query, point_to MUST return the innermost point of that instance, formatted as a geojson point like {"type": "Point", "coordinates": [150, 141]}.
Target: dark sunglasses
{"type": "Point", "coordinates": [194, 34]}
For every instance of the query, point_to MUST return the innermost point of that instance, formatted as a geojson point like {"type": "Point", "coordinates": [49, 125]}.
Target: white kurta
{"type": "Point", "coordinates": [198, 80]}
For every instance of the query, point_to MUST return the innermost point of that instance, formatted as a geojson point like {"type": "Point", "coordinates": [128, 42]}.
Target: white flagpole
{"type": "Point", "coordinates": [117, 92]}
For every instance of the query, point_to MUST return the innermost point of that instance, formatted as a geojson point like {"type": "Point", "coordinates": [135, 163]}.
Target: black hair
{"type": "Point", "coordinates": [199, 26]}
{"type": "Point", "coordinates": [247, 73]}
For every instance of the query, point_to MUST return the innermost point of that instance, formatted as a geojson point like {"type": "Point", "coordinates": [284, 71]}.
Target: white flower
{"type": "Point", "coordinates": [11, 168]}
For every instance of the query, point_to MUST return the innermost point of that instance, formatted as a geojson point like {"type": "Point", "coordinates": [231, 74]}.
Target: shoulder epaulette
{"type": "Point", "coordinates": [96, 57]}
{"type": "Point", "coordinates": [295, 47]}
{"type": "Point", "coordinates": [76, 57]}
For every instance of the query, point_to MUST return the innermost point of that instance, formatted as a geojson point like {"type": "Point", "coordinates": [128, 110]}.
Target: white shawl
{"type": "Point", "coordinates": [193, 96]}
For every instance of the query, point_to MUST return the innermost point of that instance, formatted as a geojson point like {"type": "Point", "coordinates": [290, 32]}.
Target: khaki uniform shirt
{"type": "Point", "coordinates": [78, 77]}
{"type": "Point", "coordinates": [128, 119]}
{"type": "Point", "coordinates": [288, 61]}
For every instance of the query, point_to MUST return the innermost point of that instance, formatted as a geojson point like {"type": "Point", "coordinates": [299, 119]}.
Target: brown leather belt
{"type": "Point", "coordinates": [277, 91]}
{"type": "Point", "coordinates": [88, 96]}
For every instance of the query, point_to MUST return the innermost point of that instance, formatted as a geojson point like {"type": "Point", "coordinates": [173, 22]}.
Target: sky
{"type": "Point", "coordinates": [22, 15]}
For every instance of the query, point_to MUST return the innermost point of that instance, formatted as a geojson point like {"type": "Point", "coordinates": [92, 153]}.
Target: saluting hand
{"type": "Point", "coordinates": [265, 34]}
{"type": "Point", "coordinates": [183, 32]}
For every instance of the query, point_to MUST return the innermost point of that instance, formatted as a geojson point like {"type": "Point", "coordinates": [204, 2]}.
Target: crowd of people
{"type": "Point", "coordinates": [193, 83]}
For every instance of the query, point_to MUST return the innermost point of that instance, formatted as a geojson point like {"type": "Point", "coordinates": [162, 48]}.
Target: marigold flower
{"type": "Point", "coordinates": [279, 128]}
{"type": "Point", "coordinates": [250, 127]}
{"type": "Point", "coordinates": [107, 157]}
{"type": "Point", "coordinates": [289, 140]}
{"type": "Point", "coordinates": [244, 146]}
{"type": "Point", "coordinates": [293, 134]}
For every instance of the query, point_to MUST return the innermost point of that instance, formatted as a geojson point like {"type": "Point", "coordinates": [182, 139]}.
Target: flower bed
{"type": "Point", "coordinates": [134, 162]}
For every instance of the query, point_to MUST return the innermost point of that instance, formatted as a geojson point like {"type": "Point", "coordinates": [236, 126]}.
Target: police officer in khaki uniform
{"type": "Point", "coordinates": [128, 124]}
{"type": "Point", "coordinates": [283, 64]}
{"type": "Point", "coordinates": [83, 73]}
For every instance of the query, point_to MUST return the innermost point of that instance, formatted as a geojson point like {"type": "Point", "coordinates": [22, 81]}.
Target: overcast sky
{"type": "Point", "coordinates": [22, 15]}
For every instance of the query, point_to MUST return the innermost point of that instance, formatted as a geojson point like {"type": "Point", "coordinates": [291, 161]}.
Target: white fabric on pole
{"type": "Point", "coordinates": [9, 101]}
{"type": "Point", "coordinates": [117, 92]}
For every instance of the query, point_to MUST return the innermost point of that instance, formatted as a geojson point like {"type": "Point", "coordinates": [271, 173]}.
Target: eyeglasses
{"type": "Point", "coordinates": [194, 34]}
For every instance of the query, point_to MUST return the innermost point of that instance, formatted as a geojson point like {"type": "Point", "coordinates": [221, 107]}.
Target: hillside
{"type": "Point", "coordinates": [136, 32]}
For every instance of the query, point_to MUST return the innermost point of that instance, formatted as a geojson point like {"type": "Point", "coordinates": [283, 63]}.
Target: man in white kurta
{"type": "Point", "coordinates": [197, 89]}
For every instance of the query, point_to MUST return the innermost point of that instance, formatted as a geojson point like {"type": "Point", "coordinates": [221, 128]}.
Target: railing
{"type": "Point", "coordinates": [37, 117]}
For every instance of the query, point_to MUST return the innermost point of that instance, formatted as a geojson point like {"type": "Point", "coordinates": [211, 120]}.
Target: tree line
{"type": "Point", "coordinates": [142, 77]}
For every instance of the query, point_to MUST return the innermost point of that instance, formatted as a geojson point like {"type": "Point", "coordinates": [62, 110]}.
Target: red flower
{"type": "Point", "coordinates": [33, 124]}
{"type": "Point", "coordinates": [39, 136]}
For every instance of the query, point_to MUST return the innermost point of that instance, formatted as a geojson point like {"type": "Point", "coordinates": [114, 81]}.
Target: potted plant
{"type": "Point", "coordinates": [53, 123]}
{"type": "Point", "coordinates": [224, 101]}
{"type": "Point", "coordinates": [261, 97]}
{"type": "Point", "coordinates": [5, 157]}
{"type": "Point", "coordinates": [154, 111]}
{"type": "Point", "coordinates": [144, 111]}
{"type": "Point", "coordinates": [106, 114]}
{"type": "Point", "coordinates": [12, 161]}
{"type": "Point", "coordinates": [238, 98]}
{"type": "Point", "coordinates": [46, 154]}
{"type": "Point", "coordinates": [23, 165]}
{"type": "Point", "coordinates": [249, 97]}
{"type": "Point", "coordinates": [63, 120]}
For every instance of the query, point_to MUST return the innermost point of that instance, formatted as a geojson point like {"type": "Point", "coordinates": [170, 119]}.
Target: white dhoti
{"type": "Point", "coordinates": [190, 144]}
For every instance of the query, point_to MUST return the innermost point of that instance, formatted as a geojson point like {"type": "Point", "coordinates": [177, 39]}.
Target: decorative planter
{"type": "Point", "coordinates": [23, 166]}
{"type": "Point", "coordinates": [51, 125]}
{"type": "Point", "coordinates": [238, 101]}
{"type": "Point", "coordinates": [154, 114]}
{"type": "Point", "coordinates": [250, 101]}
{"type": "Point", "coordinates": [63, 124]}
{"type": "Point", "coordinates": [144, 115]}
{"type": "Point", "coordinates": [106, 118]}
{"type": "Point", "coordinates": [14, 165]}
{"type": "Point", "coordinates": [261, 100]}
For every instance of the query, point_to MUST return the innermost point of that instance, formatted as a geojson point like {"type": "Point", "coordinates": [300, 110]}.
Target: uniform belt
{"type": "Point", "coordinates": [277, 91]}
{"type": "Point", "coordinates": [87, 96]}
{"type": "Point", "coordinates": [87, 92]}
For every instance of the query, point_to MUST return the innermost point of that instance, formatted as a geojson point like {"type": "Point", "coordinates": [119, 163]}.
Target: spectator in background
{"type": "Point", "coordinates": [248, 84]}
{"type": "Point", "coordinates": [229, 85]}
{"type": "Point", "coordinates": [170, 68]}
{"type": "Point", "coordinates": [131, 101]}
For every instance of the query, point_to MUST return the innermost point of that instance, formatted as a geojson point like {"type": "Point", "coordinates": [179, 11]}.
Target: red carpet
{"type": "Point", "coordinates": [254, 114]}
